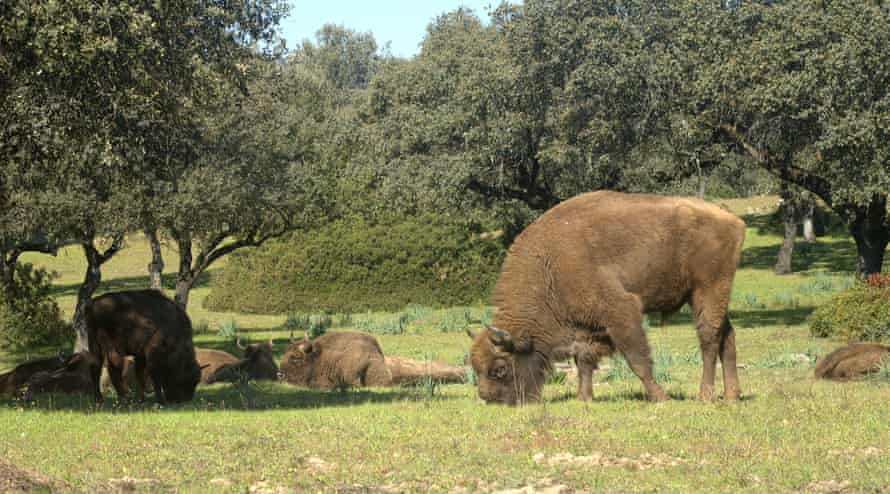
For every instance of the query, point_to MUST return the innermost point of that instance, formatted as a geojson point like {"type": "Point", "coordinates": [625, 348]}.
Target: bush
{"type": "Point", "coordinates": [860, 313]}
{"type": "Point", "coordinates": [355, 266]}
{"type": "Point", "coordinates": [30, 318]}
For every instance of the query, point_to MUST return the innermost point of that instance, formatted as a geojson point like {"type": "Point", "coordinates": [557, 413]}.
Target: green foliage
{"type": "Point", "coordinates": [860, 313]}
{"type": "Point", "coordinates": [354, 265]}
{"type": "Point", "coordinates": [29, 316]}
{"type": "Point", "coordinates": [228, 330]}
{"type": "Point", "coordinates": [314, 325]}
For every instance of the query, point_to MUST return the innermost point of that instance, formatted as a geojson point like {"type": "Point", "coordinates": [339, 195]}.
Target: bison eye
{"type": "Point", "coordinates": [498, 372]}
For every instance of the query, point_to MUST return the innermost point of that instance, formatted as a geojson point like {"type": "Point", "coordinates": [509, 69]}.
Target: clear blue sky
{"type": "Point", "coordinates": [402, 22]}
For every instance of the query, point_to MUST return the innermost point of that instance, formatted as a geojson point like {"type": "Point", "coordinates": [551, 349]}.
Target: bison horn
{"type": "Point", "coordinates": [471, 334]}
{"type": "Point", "coordinates": [239, 345]}
{"type": "Point", "coordinates": [202, 367]}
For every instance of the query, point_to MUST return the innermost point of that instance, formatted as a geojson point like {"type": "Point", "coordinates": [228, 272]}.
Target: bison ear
{"type": "Point", "coordinates": [471, 334]}
{"type": "Point", "coordinates": [306, 345]}
{"type": "Point", "coordinates": [504, 341]}
{"type": "Point", "coordinates": [500, 338]}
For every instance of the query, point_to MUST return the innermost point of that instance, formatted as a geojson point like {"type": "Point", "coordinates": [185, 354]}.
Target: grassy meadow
{"type": "Point", "coordinates": [789, 433]}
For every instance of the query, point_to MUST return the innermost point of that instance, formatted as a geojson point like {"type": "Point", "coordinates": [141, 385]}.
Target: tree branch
{"type": "Point", "coordinates": [781, 168]}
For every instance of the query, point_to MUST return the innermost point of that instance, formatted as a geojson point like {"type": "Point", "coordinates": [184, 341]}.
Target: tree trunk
{"type": "Point", "coordinates": [90, 283]}
{"type": "Point", "coordinates": [789, 212]}
{"type": "Point", "coordinates": [156, 266]}
{"type": "Point", "coordinates": [871, 232]}
{"type": "Point", "coordinates": [185, 278]}
{"type": "Point", "coordinates": [7, 274]}
{"type": "Point", "coordinates": [809, 232]}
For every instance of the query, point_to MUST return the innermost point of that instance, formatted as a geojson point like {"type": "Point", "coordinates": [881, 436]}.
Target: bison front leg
{"type": "Point", "coordinates": [586, 362]}
{"type": "Point", "coordinates": [716, 338]}
{"type": "Point", "coordinates": [624, 324]}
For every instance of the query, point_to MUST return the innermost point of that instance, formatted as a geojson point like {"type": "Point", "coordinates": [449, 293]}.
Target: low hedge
{"type": "Point", "coordinates": [353, 265]}
{"type": "Point", "coordinates": [860, 313]}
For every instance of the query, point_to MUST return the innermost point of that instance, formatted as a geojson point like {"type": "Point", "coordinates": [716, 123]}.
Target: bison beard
{"type": "Point", "coordinates": [155, 331]}
{"type": "Point", "coordinates": [593, 265]}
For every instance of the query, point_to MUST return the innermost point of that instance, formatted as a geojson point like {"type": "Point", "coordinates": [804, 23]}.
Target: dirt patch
{"type": "Point", "coordinates": [14, 479]}
{"type": "Point", "coordinates": [829, 487]}
{"type": "Point", "coordinates": [856, 452]}
{"type": "Point", "coordinates": [130, 484]}
{"type": "Point", "coordinates": [643, 462]}
{"type": "Point", "coordinates": [543, 486]}
{"type": "Point", "coordinates": [263, 487]}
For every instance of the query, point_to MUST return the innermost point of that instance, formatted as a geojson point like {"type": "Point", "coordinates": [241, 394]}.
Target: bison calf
{"type": "Point", "coordinates": [853, 361]}
{"type": "Point", "coordinates": [155, 331]}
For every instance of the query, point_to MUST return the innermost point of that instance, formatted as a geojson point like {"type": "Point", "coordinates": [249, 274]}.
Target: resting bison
{"type": "Point", "coordinates": [76, 376]}
{"type": "Point", "coordinates": [596, 263]}
{"type": "Point", "coordinates": [336, 360]}
{"type": "Point", "coordinates": [258, 364]}
{"type": "Point", "coordinates": [853, 361]}
{"type": "Point", "coordinates": [211, 361]}
{"type": "Point", "coordinates": [155, 331]}
{"type": "Point", "coordinates": [406, 371]}
{"type": "Point", "coordinates": [12, 380]}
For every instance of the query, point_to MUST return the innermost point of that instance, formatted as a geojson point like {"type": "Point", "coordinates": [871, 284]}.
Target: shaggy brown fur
{"type": "Point", "coordinates": [12, 380]}
{"type": "Point", "coordinates": [75, 377]}
{"type": "Point", "coordinates": [596, 263]}
{"type": "Point", "coordinates": [853, 361]}
{"type": "Point", "coordinates": [211, 361]}
{"type": "Point", "coordinates": [335, 360]}
{"type": "Point", "coordinates": [154, 330]}
{"type": "Point", "coordinates": [258, 364]}
{"type": "Point", "coordinates": [406, 371]}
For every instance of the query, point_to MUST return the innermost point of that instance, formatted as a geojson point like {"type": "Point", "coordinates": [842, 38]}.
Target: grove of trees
{"type": "Point", "coordinates": [187, 121]}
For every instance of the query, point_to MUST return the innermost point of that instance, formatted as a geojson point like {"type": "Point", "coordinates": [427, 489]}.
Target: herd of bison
{"type": "Point", "coordinates": [575, 284]}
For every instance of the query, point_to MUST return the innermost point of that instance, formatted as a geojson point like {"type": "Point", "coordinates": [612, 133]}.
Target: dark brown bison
{"type": "Point", "coordinates": [596, 263]}
{"type": "Point", "coordinates": [155, 331]}
{"type": "Point", "coordinates": [12, 380]}
{"type": "Point", "coordinates": [335, 360]}
{"type": "Point", "coordinates": [76, 376]}
{"type": "Point", "coordinates": [258, 364]}
{"type": "Point", "coordinates": [853, 361]}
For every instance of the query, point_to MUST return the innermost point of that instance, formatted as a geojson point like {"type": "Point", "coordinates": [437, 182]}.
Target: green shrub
{"type": "Point", "coordinates": [860, 313]}
{"type": "Point", "coordinates": [30, 318]}
{"type": "Point", "coordinates": [353, 266]}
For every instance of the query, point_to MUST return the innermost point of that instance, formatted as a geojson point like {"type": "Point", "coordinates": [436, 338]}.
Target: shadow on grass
{"type": "Point", "coordinates": [838, 256]}
{"type": "Point", "coordinates": [168, 282]}
{"type": "Point", "coordinates": [769, 317]}
{"type": "Point", "coordinates": [233, 397]}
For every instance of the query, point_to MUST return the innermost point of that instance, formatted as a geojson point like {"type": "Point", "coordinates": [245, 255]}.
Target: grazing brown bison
{"type": "Point", "coordinates": [12, 380]}
{"type": "Point", "coordinates": [336, 360]}
{"type": "Point", "coordinates": [258, 364]}
{"type": "Point", "coordinates": [76, 376]}
{"type": "Point", "coordinates": [853, 361]}
{"type": "Point", "coordinates": [155, 331]}
{"type": "Point", "coordinates": [596, 263]}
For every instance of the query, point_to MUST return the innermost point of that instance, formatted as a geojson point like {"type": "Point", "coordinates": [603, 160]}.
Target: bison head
{"type": "Point", "coordinates": [297, 362]}
{"type": "Point", "coordinates": [181, 376]}
{"type": "Point", "coordinates": [259, 360]}
{"type": "Point", "coordinates": [509, 371]}
{"type": "Point", "coordinates": [75, 377]}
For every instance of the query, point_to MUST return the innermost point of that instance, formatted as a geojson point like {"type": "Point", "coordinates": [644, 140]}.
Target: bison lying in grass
{"type": "Point", "coordinates": [345, 359]}
{"type": "Point", "coordinates": [210, 361]}
{"type": "Point", "coordinates": [853, 361]}
{"type": "Point", "coordinates": [596, 263]}
{"type": "Point", "coordinates": [258, 364]}
{"type": "Point", "coordinates": [12, 380]}
{"type": "Point", "coordinates": [155, 331]}
{"type": "Point", "coordinates": [76, 376]}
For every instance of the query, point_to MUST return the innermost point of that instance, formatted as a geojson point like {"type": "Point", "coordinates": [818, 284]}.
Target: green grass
{"type": "Point", "coordinates": [788, 432]}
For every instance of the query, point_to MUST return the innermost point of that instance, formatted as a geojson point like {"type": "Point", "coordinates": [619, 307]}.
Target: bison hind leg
{"type": "Point", "coordinates": [377, 374]}
{"type": "Point", "coordinates": [716, 337]}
